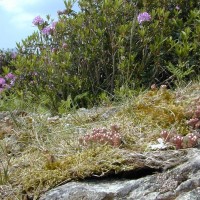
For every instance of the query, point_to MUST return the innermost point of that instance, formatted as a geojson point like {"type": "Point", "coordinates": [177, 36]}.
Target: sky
{"type": "Point", "coordinates": [16, 18]}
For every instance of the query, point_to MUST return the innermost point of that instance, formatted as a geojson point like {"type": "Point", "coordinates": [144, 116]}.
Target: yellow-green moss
{"type": "Point", "coordinates": [97, 161]}
{"type": "Point", "coordinates": [158, 108]}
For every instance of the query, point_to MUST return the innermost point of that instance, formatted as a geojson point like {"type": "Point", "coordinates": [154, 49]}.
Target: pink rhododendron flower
{"type": "Point", "coordinates": [38, 21]}
{"type": "Point", "coordinates": [1, 89]}
{"type": "Point", "coordinates": [46, 30]}
{"type": "Point", "coordinates": [53, 25]}
{"type": "Point", "coordinates": [13, 55]}
{"type": "Point", "coordinates": [2, 81]}
{"type": "Point", "coordinates": [10, 76]}
{"type": "Point", "coordinates": [142, 17]}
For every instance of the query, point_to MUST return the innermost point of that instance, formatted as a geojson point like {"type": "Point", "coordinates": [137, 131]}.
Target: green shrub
{"type": "Point", "coordinates": [103, 47]}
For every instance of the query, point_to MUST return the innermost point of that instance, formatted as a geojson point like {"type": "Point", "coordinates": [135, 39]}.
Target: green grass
{"type": "Point", "coordinates": [39, 152]}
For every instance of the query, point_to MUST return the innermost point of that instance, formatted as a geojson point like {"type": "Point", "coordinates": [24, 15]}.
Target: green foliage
{"type": "Point", "coordinates": [180, 71]}
{"type": "Point", "coordinates": [6, 58]}
{"type": "Point", "coordinates": [104, 48]}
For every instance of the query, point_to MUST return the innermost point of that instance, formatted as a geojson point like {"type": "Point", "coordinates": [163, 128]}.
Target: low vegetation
{"type": "Point", "coordinates": [39, 152]}
{"type": "Point", "coordinates": [117, 76]}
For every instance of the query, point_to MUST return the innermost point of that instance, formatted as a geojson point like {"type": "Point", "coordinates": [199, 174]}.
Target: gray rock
{"type": "Point", "coordinates": [3, 115]}
{"type": "Point", "coordinates": [109, 113]}
{"type": "Point", "coordinates": [179, 179]}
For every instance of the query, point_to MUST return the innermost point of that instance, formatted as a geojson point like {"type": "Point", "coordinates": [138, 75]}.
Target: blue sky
{"type": "Point", "coordinates": [16, 18]}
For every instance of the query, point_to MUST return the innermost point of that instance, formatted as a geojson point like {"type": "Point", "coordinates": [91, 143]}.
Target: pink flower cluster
{"type": "Point", "coordinates": [13, 55]}
{"type": "Point", "coordinates": [142, 17]}
{"type": "Point", "coordinates": [49, 29]}
{"type": "Point", "coordinates": [38, 21]}
{"type": "Point", "coordinates": [194, 122]}
{"type": "Point", "coordinates": [102, 136]}
{"type": "Point", "coordinates": [180, 142]}
{"type": "Point", "coordinates": [7, 82]}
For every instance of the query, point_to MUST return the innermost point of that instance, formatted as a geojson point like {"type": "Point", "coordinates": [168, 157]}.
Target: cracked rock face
{"type": "Point", "coordinates": [178, 179]}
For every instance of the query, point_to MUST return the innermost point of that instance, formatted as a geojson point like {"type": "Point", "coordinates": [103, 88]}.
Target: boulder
{"type": "Point", "coordinates": [164, 175]}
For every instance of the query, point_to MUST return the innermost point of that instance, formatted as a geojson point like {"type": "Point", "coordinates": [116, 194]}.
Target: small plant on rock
{"type": "Point", "coordinates": [194, 121]}
{"type": "Point", "coordinates": [103, 135]}
{"type": "Point", "coordinates": [180, 142]}
{"type": "Point", "coordinates": [191, 139]}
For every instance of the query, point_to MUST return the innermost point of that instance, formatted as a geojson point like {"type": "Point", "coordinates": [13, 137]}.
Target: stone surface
{"type": "Point", "coordinates": [165, 175]}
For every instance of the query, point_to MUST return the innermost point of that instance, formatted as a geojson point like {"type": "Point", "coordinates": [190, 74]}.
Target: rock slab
{"type": "Point", "coordinates": [180, 181]}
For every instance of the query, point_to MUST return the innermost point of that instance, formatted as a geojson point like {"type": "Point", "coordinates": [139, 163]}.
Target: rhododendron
{"type": "Point", "coordinates": [1, 89]}
{"type": "Point", "coordinates": [142, 17]}
{"type": "Point", "coordinates": [10, 76]}
{"type": "Point", "coordinates": [53, 25]}
{"type": "Point", "coordinates": [46, 30]}
{"type": "Point", "coordinates": [38, 21]}
{"type": "Point", "coordinates": [13, 55]}
{"type": "Point", "coordinates": [2, 81]}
